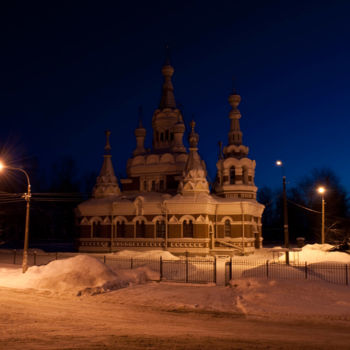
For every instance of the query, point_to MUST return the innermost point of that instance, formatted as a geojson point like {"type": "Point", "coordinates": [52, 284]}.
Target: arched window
{"type": "Point", "coordinates": [188, 229]}
{"type": "Point", "coordinates": [121, 229]}
{"type": "Point", "coordinates": [245, 176]}
{"type": "Point", "coordinates": [140, 229]}
{"type": "Point", "coordinates": [166, 135]}
{"type": "Point", "coordinates": [232, 175]}
{"type": "Point", "coordinates": [161, 185]}
{"type": "Point", "coordinates": [160, 229]}
{"type": "Point", "coordinates": [227, 228]}
{"type": "Point", "coordinates": [161, 136]}
{"type": "Point", "coordinates": [172, 136]}
{"type": "Point", "coordinates": [96, 229]}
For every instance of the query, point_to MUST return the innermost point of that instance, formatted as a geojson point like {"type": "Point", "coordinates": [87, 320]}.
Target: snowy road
{"type": "Point", "coordinates": [131, 318]}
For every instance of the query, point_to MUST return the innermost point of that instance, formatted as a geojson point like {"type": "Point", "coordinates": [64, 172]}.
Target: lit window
{"type": "Point", "coordinates": [140, 229]}
{"type": "Point", "coordinates": [232, 175]}
{"type": "Point", "coordinates": [121, 229]}
{"type": "Point", "coordinates": [227, 228]}
{"type": "Point", "coordinates": [160, 229]}
{"type": "Point", "coordinates": [188, 229]}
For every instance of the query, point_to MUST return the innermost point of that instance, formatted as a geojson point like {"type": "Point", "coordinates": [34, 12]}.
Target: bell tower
{"type": "Point", "coordinates": [235, 171]}
{"type": "Point", "coordinates": [167, 122]}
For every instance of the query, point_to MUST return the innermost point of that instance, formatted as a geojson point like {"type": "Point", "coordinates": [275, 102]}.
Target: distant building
{"type": "Point", "coordinates": [165, 201]}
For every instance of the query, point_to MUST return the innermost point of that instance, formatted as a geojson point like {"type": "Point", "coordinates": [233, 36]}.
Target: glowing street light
{"type": "Point", "coordinates": [26, 196]}
{"type": "Point", "coordinates": [285, 212]}
{"type": "Point", "coordinates": [321, 190]}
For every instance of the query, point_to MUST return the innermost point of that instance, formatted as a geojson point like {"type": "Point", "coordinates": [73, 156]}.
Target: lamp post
{"type": "Point", "coordinates": [321, 190]}
{"type": "Point", "coordinates": [26, 196]}
{"type": "Point", "coordinates": [285, 211]}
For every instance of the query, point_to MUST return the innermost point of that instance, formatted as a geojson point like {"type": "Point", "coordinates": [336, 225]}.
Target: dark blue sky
{"type": "Point", "coordinates": [69, 71]}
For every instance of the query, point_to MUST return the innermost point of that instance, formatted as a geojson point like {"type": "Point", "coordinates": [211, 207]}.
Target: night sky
{"type": "Point", "coordinates": [72, 70]}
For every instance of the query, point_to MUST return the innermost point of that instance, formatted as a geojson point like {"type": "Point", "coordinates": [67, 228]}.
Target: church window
{"type": "Point", "coordinates": [232, 175]}
{"type": "Point", "coordinates": [245, 175]}
{"type": "Point", "coordinates": [161, 136]}
{"type": "Point", "coordinates": [160, 229]}
{"type": "Point", "coordinates": [121, 229]}
{"type": "Point", "coordinates": [140, 229]}
{"type": "Point", "coordinates": [227, 228]}
{"type": "Point", "coordinates": [161, 185]}
{"type": "Point", "coordinates": [172, 136]}
{"type": "Point", "coordinates": [166, 135]}
{"type": "Point", "coordinates": [96, 229]}
{"type": "Point", "coordinates": [188, 229]}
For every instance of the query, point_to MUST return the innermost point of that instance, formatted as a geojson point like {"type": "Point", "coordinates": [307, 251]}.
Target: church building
{"type": "Point", "coordinates": [166, 202]}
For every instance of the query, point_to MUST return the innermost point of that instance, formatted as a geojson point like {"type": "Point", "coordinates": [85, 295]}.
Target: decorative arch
{"type": "Point", "coordinates": [152, 159]}
{"type": "Point", "coordinates": [222, 221]}
{"type": "Point", "coordinates": [120, 219]}
{"type": "Point", "coordinates": [173, 220]}
{"type": "Point", "coordinates": [182, 158]}
{"type": "Point", "coordinates": [95, 219]}
{"type": "Point", "coordinates": [106, 221]}
{"type": "Point", "coordinates": [167, 158]}
{"type": "Point", "coordinates": [139, 218]}
{"type": "Point", "coordinates": [84, 221]}
{"type": "Point", "coordinates": [187, 218]}
{"type": "Point", "coordinates": [138, 160]}
{"type": "Point", "coordinates": [229, 162]}
{"type": "Point", "coordinates": [201, 220]}
{"type": "Point", "coordinates": [158, 218]}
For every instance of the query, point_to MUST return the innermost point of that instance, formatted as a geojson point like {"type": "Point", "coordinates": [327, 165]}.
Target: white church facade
{"type": "Point", "coordinates": [166, 201]}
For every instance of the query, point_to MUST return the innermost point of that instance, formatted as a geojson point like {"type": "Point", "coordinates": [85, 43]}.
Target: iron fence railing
{"type": "Point", "coordinates": [337, 273]}
{"type": "Point", "coordinates": [202, 270]}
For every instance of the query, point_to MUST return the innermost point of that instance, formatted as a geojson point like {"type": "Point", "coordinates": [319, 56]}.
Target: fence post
{"type": "Point", "coordinates": [131, 263]}
{"type": "Point", "coordinates": [267, 269]}
{"type": "Point", "coordinates": [186, 267]}
{"type": "Point", "coordinates": [34, 257]}
{"type": "Point", "coordinates": [215, 278]}
{"type": "Point", "coordinates": [305, 270]}
{"type": "Point", "coordinates": [347, 274]}
{"type": "Point", "coordinates": [160, 268]}
{"type": "Point", "coordinates": [14, 256]}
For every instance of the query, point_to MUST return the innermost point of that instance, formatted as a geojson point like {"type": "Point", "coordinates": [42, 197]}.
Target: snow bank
{"type": "Point", "coordinates": [313, 253]}
{"type": "Point", "coordinates": [151, 254]}
{"type": "Point", "coordinates": [258, 296]}
{"type": "Point", "coordinates": [81, 274]}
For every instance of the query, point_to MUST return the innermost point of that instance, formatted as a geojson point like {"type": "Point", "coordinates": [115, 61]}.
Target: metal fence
{"type": "Point", "coordinates": [186, 269]}
{"type": "Point", "coordinates": [203, 270]}
{"type": "Point", "coordinates": [336, 273]}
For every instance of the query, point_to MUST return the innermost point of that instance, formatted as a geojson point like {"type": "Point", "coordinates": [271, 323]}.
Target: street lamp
{"type": "Point", "coordinates": [26, 196]}
{"type": "Point", "coordinates": [285, 211]}
{"type": "Point", "coordinates": [321, 190]}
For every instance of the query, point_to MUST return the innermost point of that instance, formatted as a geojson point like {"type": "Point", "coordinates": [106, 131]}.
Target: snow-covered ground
{"type": "Point", "coordinates": [80, 303]}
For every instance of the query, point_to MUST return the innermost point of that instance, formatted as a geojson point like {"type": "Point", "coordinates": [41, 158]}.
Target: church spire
{"type": "Point", "coordinates": [106, 183]}
{"type": "Point", "coordinates": [194, 175]}
{"type": "Point", "coordinates": [140, 134]}
{"type": "Point", "coordinates": [167, 99]}
{"type": "Point", "coordinates": [235, 146]}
